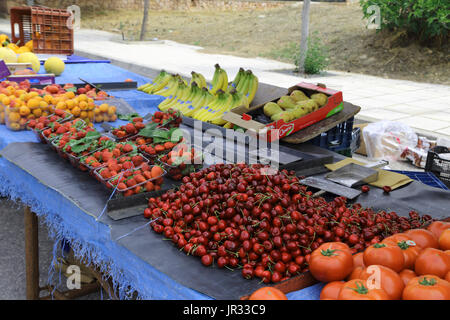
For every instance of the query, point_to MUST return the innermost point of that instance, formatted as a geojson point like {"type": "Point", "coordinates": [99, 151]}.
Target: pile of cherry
{"type": "Point", "coordinates": [235, 216]}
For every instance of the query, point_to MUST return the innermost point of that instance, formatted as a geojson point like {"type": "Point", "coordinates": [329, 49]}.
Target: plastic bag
{"type": "Point", "coordinates": [388, 140]}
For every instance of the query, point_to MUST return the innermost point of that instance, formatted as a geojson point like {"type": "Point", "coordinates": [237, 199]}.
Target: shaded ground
{"type": "Point", "coordinates": [275, 33]}
{"type": "Point", "coordinates": [12, 258]}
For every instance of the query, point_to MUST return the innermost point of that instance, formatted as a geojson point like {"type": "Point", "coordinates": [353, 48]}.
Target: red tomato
{"type": "Point", "coordinates": [357, 290]}
{"type": "Point", "coordinates": [437, 227]}
{"type": "Point", "coordinates": [358, 260]}
{"type": "Point", "coordinates": [386, 279]}
{"type": "Point", "coordinates": [432, 261]}
{"type": "Point", "coordinates": [423, 238]}
{"type": "Point", "coordinates": [356, 273]}
{"type": "Point", "coordinates": [268, 293]}
{"type": "Point", "coordinates": [331, 290]}
{"type": "Point", "coordinates": [330, 262]}
{"type": "Point", "coordinates": [427, 287]}
{"type": "Point", "coordinates": [407, 275]}
{"type": "Point", "coordinates": [444, 240]}
{"type": "Point", "coordinates": [386, 255]}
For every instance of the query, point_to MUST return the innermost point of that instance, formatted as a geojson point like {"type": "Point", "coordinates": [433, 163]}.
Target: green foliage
{"type": "Point", "coordinates": [316, 56]}
{"type": "Point", "coordinates": [424, 19]}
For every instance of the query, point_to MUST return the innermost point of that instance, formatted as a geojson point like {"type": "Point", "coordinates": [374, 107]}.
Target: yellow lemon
{"type": "Point", "coordinates": [99, 118]}
{"type": "Point", "coordinates": [23, 49]}
{"type": "Point", "coordinates": [37, 112]}
{"type": "Point", "coordinates": [83, 97]}
{"type": "Point", "coordinates": [111, 110]}
{"type": "Point", "coordinates": [43, 105]}
{"type": "Point", "coordinates": [14, 117]}
{"type": "Point", "coordinates": [29, 45]}
{"type": "Point", "coordinates": [70, 94]}
{"type": "Point", "coordinates": [76, 111]}
{"type": "Point", "coordinates": [48, 98]}
{"type": "Point", "coordinates": [33, 103]}
{"type": "Point", "coordinates": [6, 101]}
{"type": "Point", "coordinates": [104, 107]}
{"type": "Point", "coordinates": [14, 126]}
{"type": "Point", "coordinates": [24, 111]}
{"type": "Point", "coordinates": [83, 105]}
{"type": "Point", "coordinates": [70, 104]}
{"type": "Point", "coordinates": [83, 114]}
{"type": "Point", "coordinates": [61, 105]}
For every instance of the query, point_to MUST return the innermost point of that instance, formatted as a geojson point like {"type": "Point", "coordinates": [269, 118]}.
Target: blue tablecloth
{"type": "Point", "coordinates": [90, 238]}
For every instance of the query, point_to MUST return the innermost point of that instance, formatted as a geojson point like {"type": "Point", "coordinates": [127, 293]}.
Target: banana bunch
{"type": "Point", "coordinates": [246, 83]}
{"type": "Point", "coordinates": [199, 79]}
{"type": "Point", "coordinates": [219, 81]}
{"type": "Point", "coordinates": [221, 104]}
{"type": "Point", "coordinates": [157, 84]}
{"type": "Point", "coordinates": [161, 83]}
{"type": "Point", "coordinates": [294, 106]}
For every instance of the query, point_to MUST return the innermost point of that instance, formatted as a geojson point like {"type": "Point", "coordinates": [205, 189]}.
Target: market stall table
{"type": "Point", "coordinates": [120, 248]}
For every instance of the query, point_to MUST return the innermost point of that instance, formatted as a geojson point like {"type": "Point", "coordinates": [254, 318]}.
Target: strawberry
{"type": "Point", "coordinates": [130, 128]}
{"type": "Point", "coordinates": [127, 148]}
{"type": "Point", "coordinates": [131, 182]}
{"type": "Point", "coordinates": [139, 178]}
{"type": "Point", "coordinates": [127, 165]}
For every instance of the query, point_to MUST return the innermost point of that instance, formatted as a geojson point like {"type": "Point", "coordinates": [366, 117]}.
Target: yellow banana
{"type": "Point", "coordinates": [173, 98]}
{"type": "Point", "coordinates": [217, 80]}
{"type": "Point", "coordinates": [206, 109]}
{"type": "Point", "coordinates": [252, 88]}
{"type": "Point", "coordinates": [207, 98]}
{"type": "Point", "coordinates": [218, 108]}
{"type": "Point", "coordinates": [153, 82]}
{"type": "Point", "coordinates": [165, 81]}
{"type": "Point", "coordinates": [171, 90]}
{"type": "Point", "coordinates": [184, 96]}
{"type": "Point", "coordinates": [224, 76]}
{"type": "Point", "coordinates": [195, 96]}
{"type": "Point", "coordinates": [232, 102]}
{"type": "Point", "coordinates": [199, 79]}
{"type": "Point", "coordinates": [236, 80]}
{"type": "Point", "coordinates": [242, 82]}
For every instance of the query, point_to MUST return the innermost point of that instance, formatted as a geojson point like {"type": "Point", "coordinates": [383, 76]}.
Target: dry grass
{"type": "Point", "coordinates": [275, 33]}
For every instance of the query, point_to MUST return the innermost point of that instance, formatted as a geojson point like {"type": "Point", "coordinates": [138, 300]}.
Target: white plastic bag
{"type": "Point", "coordinates": [387, 140]}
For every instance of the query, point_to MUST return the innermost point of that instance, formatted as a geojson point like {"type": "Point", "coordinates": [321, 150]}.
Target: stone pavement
{"type": "Point", "coordinates": [423, 106]}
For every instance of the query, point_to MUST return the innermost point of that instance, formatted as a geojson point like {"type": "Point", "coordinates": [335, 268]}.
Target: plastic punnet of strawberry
{"type": "Point", "coordinates": [146, 178]}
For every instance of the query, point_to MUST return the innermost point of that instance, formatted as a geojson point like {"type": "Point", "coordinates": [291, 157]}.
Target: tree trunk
{"type": "Point", "coordinates": [3, 9]}
{"type": "Point", "coordinates": [144, 20]}
{"type": "Point", "coordinates": [304, 36]}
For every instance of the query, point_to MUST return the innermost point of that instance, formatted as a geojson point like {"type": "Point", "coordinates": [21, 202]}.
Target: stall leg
{"type": "Point", "coordinates": [31, 254]}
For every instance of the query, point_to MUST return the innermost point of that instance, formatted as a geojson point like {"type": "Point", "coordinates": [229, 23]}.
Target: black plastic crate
{"type": "Point", "coordinates": [440, 167]}
{"type": "Point", "coordinates": [341, 139]}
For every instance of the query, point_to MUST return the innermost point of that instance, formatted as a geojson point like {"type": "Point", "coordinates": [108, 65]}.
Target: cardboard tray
{"type": "Point", "coordinates": [242, 116]}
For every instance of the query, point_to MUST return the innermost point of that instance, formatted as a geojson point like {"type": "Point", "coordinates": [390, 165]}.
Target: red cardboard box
{"type": "Point", "coordinates": [243, 117]}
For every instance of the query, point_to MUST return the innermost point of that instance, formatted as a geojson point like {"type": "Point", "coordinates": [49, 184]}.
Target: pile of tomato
{"type": "Point", "coordinates": [235, 216]}
{"type": "Point", "coordinates": [414, 265]}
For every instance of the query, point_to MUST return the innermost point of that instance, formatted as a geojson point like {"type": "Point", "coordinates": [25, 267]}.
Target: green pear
{"type": "Point", "coordinates": [271, 108]}
{"type": "Point", "coordinates": [298, 95]}
{"type": "Point", "coordinates": [286, 102]}
{"type": "Point", "coordinates": [320, 98]}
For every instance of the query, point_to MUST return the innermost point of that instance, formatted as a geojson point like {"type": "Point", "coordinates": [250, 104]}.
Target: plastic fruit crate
{"type": "Point", "coordinates": [47, 28]}
{"type": "Point", "coordinates": [438, 165]}
{"type": "Point", "coordinates": [342, 139]}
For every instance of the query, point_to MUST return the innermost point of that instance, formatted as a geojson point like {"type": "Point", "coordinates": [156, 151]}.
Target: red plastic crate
{"type": "Point", "coordinates": [47, 28]}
